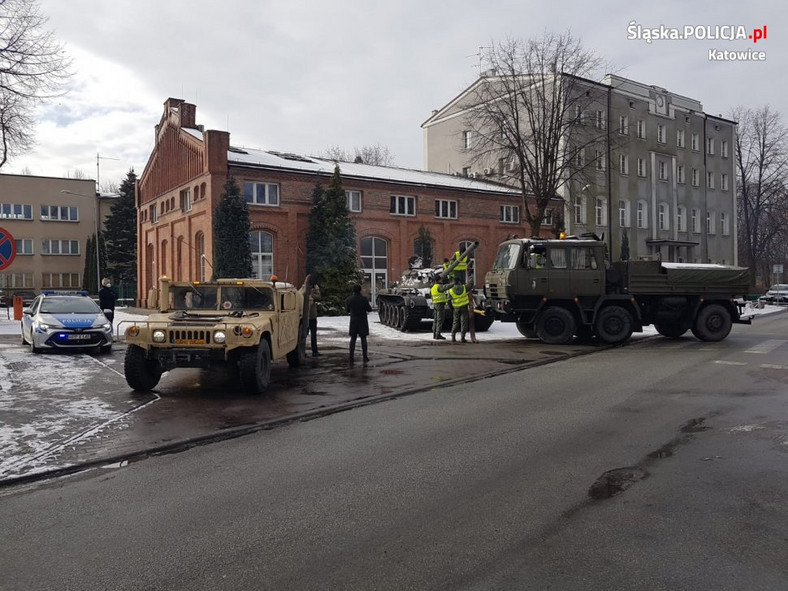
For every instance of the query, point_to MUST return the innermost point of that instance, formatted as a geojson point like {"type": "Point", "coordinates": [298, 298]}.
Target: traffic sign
{"type": "Point", "coordinates": [7, 249]}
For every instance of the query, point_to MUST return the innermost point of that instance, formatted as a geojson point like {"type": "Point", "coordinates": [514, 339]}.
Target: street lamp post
{"type": "Point", "coordinates": [97, 197]}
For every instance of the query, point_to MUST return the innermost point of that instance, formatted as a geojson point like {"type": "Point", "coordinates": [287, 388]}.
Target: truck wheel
{"type": "Point", "coordinates": [613, 325]}
{"type": "Point", "coordinates": [713, 323]}
{"type": "Point", "coordinates": [527, 330]}
{"type": "Point", "coordinates": [254, 368]}
{"type": "Point", "coordinates": [671, 330]}
{"type": "Point", "coordinates": [297, 356]}
{"type": "Point", "coordinates": [555, 325]}
{"type": "Point", "coordinates": [142, 374]}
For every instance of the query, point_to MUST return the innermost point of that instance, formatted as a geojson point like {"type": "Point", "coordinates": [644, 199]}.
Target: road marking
{"type": "Point", "coordinates": [772, 366]}
{"type": "Point", "coordinates": [731, 362]}
{"type": "Point", "coordinates": [766, 346]}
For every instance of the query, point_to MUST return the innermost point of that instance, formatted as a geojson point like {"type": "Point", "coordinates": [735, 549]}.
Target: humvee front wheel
{"type": "Point", "coordinates": [254, 368]}
{"type": "Point", "coordinates": [142, 374]}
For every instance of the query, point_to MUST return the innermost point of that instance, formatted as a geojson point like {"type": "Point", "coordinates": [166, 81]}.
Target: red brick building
{"type": "Point", "coordinates": [186, 172]}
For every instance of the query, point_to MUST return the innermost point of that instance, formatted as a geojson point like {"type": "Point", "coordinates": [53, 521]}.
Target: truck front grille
{"type": "Point", "coordinates": [190, 337]}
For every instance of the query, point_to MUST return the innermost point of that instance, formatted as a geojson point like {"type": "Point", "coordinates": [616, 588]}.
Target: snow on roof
{"type": "Point", "coordinates": [352, 170]}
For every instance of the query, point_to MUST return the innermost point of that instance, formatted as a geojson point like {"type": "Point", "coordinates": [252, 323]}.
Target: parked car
{"type": "Point", "coordinates": [777, 294]}
{"type": "Point", "coordinates": [7, 298]}
{"type": "Point", "coordinates": [60, 321]}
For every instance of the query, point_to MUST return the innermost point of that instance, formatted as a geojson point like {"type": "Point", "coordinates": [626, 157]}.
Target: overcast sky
{"type": "Point", "coordinates": [303, 76]}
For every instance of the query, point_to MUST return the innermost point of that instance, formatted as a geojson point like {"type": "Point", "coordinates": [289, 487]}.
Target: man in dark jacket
{"type": "Point", "coordinates": [107, 297]}
{"type": "Point", "coordinates": [358, 307]}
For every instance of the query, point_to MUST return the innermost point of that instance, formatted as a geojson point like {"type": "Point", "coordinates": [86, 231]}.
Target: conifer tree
{"type": "Point", "coordinates": [121, 236]}
{"type": "Point", "coordinates": [232, 253]}
{"type": "Point", "coordinates": [331, 246]}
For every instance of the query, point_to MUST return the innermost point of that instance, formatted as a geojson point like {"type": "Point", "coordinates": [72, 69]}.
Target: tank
{"type": "Point", "coordinates": [408, 303]}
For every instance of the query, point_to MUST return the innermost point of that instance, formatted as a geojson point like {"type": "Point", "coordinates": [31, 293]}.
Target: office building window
{"type": "Point", "coordinates": [353, 200]}
{"type": "Point", "coordinates": [680, 138]}
{"type": "Point", "coordinates": [695, 177]}
{"type": "Point", "coordinates": [641, 129]}
{"type": "Point", "coordinates": [680, 175]}
{"type": "Point", "coordinates": [60, 247]}
{"type": "Point", "coordinates": [466, 139]}
{"type": "Point", "coordinates": [710, 180]}
{"type": "Point", "coordinates": [59, 213]}
{"type": "Point", "coordinates": [623, 213]}
{"type": "Point", "coordinates": [24, 246]}
{"type": "Point", "coordinates": [16, 211]}
{"type": "Point", "coordinates": [664, 216]}
{"type": "Point", "coordinates": [695, 142]}
{"type": "Point", "coordinates": [663, 170]}
{"type": "Point", "coordinates": [681, 218]}
{"type": "Point", "coordinates": [725, 226]}
{"type": "Point", "coordinates": [710, 146]}
{"type": "Point", "coordinates": [600, 212]}
{"type": "Point", "coordinates": [623, 125]}
{"type": "Point", "coordinates": [623, 164]}
{"type": "Point", "coordinates": [403, 205]}
{"type": "Point", "coordinates": [446, 209]}
{"type": "Point", "coordinates": [580, 209]}
{"type": "Point", "coordinates": [261, 193]}
{"type": "Point", "coordinates": [695, 221]}
{"type": "Point", "coordinates": [510, 214]}
{"type": "Point", "coordinates": [641, 167]}
{"type": "Point", "coordinates": [661, 133]}
{"type": "Point", "coordinates": [724, 148]}
{"type": "Point", "coordinates": [710, 227]}
{"type": "Point", "coordinates": [642, 214]}
{"type": "Point", "coordinates": [724, 182]}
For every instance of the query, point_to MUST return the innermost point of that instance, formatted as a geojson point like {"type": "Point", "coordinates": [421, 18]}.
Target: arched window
{"type": "Point", "coordinates": [178, 271]}
{"type": "Point", "coordinates": [163, 258]}
{"type": "Point", "coordinates": [262, 246]}
{"type": "Point", "coordinates": [199, 258]}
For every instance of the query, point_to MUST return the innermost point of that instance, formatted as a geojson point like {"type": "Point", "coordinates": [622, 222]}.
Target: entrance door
{"type": "Point", "coordinates": [374, 263]}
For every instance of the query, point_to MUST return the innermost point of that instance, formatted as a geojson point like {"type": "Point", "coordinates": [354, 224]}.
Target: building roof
{"type": "Point", "coordinates": [273, 160]}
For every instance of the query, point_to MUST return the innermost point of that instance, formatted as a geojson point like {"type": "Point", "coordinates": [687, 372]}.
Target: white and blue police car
{"type": "Point", "coordinates": [65, 321]}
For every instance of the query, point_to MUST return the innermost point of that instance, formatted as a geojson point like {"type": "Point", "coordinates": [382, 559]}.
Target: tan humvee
{"type": "Point", "coordinates": [243, 324]}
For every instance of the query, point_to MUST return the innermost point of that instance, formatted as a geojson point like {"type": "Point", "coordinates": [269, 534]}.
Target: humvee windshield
{"type": "Point", "coordinates": [507, 257]}
{"type": "Point", "coordinates": [193, 297]}
{"type": "Point", "coordinates": [247, 298]}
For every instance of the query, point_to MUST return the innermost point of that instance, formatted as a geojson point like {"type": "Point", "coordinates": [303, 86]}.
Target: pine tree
{"type": "Point", "coordinates": [232, 253]}
{"type": "Point", "coordinates": [331, 246]}
{"type": "Point", "coordinates": [120, 246]}
{"type": "Point", "coordinates": [89, 280]}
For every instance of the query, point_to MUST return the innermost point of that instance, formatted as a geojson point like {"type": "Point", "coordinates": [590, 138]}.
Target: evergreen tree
{"type": "Point", "coordinates": [90, 281]}
{"type": "Point", "coordinates": [232, 253]}
{"type": "Point", "coordinates": [331, 246]}
{"type": "Point", "coordinates": [120, 226]}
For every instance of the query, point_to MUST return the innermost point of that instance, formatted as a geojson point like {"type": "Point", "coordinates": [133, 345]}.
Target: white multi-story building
{"type": "Point", "coordinates": [658, 170]}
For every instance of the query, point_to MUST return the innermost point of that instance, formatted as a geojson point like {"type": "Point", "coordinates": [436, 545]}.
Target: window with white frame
{"type": "Point", "coordinates": [261, 193]}
{"type": "Point", "coordinates": [664, 216]}
{"type": "Point", "coordinates": [600, 212]}
{"type": "Point", "coordinates": [547, 220]}
{"type": "Point", "coordinates": [186, 200]}
{"type": "Point", "coordinates": [710, 146]}
{"type": "Point", "coordinates": [724, 181]}
{"type": "Point", "coordinates": [510, 214]}
{"type": "Point", "coordinates": [60, 247]}
{"type": "Point", "coordinates": [623, 164]}
{"type": "Point", "coordinates": [642, 215]}
{"type": "Point", "coordinates": [710, 180]}
{"type": "Point", "coordinates": [641, 130]}
{"type": "Point", "coordinates": [710, 227]}
{"type": "Point", "coordinates": [681, 218]}
{"type": "Point", "coordinates": [11, 280]}
{"type": "Point", "coordinates": [466, 139]}
{"type": "Point", "coordinates": [261, 245]}
{"type": "Point", "coordinates": [695, 221]}
{"type": "Point", "coordinates": [600, 160]}
{"type": "Point", "coordinates": [59, 213]}
{"type": "Point", "coordinates": [725, 225]}
{"type": "Point", "coordinates": [680, 175]}
{"type": "Point", "coordinates": [353, 200]}
{"type": "Point", "coordinates": [24, 246]}
{"type": "Point", "coordinates": [154, 213]}
{"type": "Point", "coordinates": [60, 280]}
{"type": "Point", "coordinates": [695, 141]}
{"type": "Point", "coordinates": [660, 133]}
{"type": "Point", "coordinates": [695, 177]}
{"type": "Point", "coordinates": [623, 125]}
{"type": "Point", "coordinates": [623, 213]}
{"type": "Point", "coordinates": [403, 205]}
{"type": "Point", "coordinates": [641, 167]}
{"type": "Point", "coordinates": [446, 209]}
{"type": "Point", "coordinates": [663, 170]}
{"type": "Point", "coordinates": [600, 120]}
{"type": "Point", "coordinates": [724, 148]}
{"type": "Point", "coordinates": [680, 138]}
{"type": "Point", "coordinates": [580, 209]}
{"type": "Point", "coordinates": [16, 211]}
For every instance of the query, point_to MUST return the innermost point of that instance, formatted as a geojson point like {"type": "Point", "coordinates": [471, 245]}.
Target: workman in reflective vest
{"type": "Point", "coordinates": [438, 308]}
{"type": "Point", "coordinates": [460, 298]}
{"type": "Point", "coordinates": [462, 265]}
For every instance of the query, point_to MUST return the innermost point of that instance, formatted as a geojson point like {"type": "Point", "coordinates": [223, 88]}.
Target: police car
{"type": "Point", "coordinates": [65, 321]}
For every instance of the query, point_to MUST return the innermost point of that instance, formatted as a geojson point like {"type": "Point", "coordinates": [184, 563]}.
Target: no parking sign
{"type": "Point", "coordinates": [7, 249]}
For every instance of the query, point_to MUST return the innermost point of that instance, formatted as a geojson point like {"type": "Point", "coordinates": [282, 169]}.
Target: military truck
{"type": "Point", "coordinates": [409, 302]}
{"type": "Point", "coordinates": [556, 289]}
{"type": "Point", "coordinates": [240, 324]}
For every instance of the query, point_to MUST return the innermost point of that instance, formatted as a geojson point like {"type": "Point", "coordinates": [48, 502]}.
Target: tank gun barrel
{"type": "Point", "coordinates": [466, 253]}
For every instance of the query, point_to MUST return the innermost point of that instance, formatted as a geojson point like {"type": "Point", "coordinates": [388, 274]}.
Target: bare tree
{"type": "Point", "coordinates": [33, 67]}
{"type": "Point", "coordinates": [533, 109]}
{"type": "Point", "coordinates": [376, 155]}
{"type": "Point", "coordinates": [761, 159]}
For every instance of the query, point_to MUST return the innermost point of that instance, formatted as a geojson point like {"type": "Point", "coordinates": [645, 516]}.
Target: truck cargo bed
{"type": "Point", "coordinates": [655, 277]}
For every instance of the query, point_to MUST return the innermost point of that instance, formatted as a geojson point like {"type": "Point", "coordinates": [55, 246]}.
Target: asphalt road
{"type": "Point", "coordinates": [660, 465]}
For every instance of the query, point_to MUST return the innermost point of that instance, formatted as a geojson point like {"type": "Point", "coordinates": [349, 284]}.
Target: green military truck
{"type": "Point", "coordinates": [240, 324]}
{"type": "Point", "coordinates": [557, 289]}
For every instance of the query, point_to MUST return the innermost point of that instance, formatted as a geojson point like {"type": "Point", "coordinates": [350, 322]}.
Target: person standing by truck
{"type": "Point", "coordinates": [358, 307]}
{"type": "Point", "coordinates": [107, 297]}
{"type": "Point", "coordinates": [314, 296]}
{"type": "Point", "coordinates": [460, 298]}
{"type": "Point", "coordinates": [438, 307]}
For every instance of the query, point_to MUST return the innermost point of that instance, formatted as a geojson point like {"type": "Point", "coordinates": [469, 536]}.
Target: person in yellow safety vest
{"type": "Point", "coordinates": [462, 265]}
{"type": "Point", "coordinates": [460, 298]}
{"type": "Point", "coordinates": [438, 308]}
